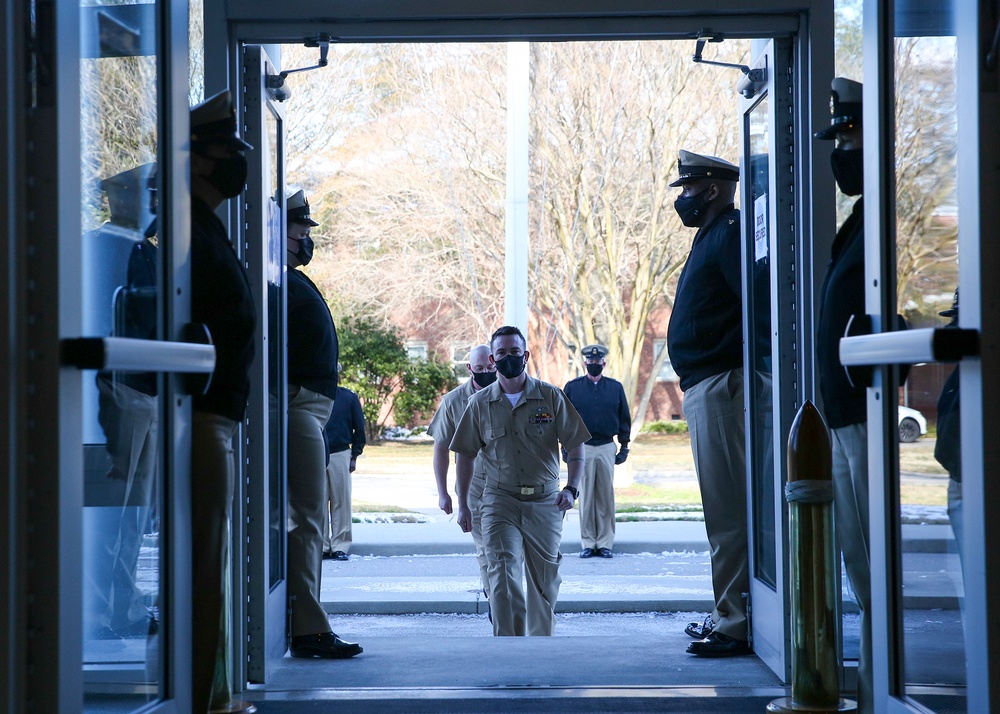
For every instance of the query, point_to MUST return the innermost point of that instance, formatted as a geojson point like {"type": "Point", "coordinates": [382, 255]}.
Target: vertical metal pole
{"type": "Point", "coordinates": [516, 223]}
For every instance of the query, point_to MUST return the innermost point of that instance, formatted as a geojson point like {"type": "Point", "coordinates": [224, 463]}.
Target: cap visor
{"type": "Point", "coordinates": [832, 131]}
{"type": "Point", "coordinates": [681, 182]}
{"type": "Point", "coordinates": [306, 222]}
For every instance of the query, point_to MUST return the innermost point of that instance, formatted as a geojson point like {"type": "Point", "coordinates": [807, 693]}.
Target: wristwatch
{"type": "Point", "coordinates": [574, 491]}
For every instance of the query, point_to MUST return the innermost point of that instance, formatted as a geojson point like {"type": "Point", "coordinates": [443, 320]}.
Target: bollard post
{"type": "Point", "coordinates": [813, 570]}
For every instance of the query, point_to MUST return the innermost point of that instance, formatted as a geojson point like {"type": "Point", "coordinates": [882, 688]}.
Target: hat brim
{"type": "Point", "coordinates": [950, 312]}
{"type": "Point", "coordinates": [831, 131]}
{"type": "Point", "coordinates": [682, 181]}
{"type": "Point", "coordinates": [305, 221]}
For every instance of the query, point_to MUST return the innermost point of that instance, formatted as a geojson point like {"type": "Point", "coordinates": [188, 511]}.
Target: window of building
{"type": "Point", "coordinates": [459, 358]}
{"type": "Point", "coordinates": [416, 350]}
{"type": "Point", "coordinates": [667, 373]}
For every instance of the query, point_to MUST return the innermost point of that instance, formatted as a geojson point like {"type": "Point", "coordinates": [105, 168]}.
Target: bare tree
{"type": "Point", "coordinates": [609, 121]}
{"type": "Point", "coordinates": [411, 201]}
{"type": "Point", "coordinates": [413, 206]}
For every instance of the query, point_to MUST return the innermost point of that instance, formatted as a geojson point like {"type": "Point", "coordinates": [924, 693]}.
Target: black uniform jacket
{"type": "Point", "coordinates": [604, 409]}
{"type": "Point", "coordinates": [705, 332]}
{"type": "Point", "coordinates": [313, 350]}
{"type": "Point", "coordinates": [221, 300]}
{"type": "Point", "coordinates": [346, 427]}
{"type": "Point", "coordinates": [842, 295]}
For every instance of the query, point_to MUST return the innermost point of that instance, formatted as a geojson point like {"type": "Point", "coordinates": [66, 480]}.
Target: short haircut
{"type": "Point", "coordinates": [508, 330]}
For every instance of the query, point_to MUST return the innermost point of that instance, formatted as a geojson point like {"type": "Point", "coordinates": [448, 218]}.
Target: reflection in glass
{"type": "Point", "coordinates": [121, 519]}
{"type": "Point", "coordinates": [933, 647]}
{"type": "Point", "coordinates": [759, 295]}
{"type": "Point", "coordinates": [276, 367]}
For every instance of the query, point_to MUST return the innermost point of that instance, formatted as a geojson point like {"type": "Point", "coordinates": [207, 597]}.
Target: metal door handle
{"type": "Point", "coordinates": [934, 344]}
{"type": "Point", "coordinates": [194, 358]}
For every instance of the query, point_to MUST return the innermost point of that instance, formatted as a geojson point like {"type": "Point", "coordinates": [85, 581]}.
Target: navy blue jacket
{"type": "Point", "coordinates": [705, 332]}
{"type": "Point", "coordinates": [313, 350]}
{"type": "Point", "coordinates": [603, 407]}
{"type": "Point", "coordinates": [842, 295]}
{"type": "Point", "coordinates": [346, 427]}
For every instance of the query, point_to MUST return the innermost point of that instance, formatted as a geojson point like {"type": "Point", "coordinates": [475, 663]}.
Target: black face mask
{"type": "Point", "coordinates": [849, 170]}
{"type": "Point", "coordinates": [594, 369]}
{"type": "Point", "coordinates": [484, 379]}
{"type": "Point", "coordinates": [510, 366]}
{"type": "Point", "coordinates": [691, 209]}
{"type": "Point", "coordinates": [229, 175]}
{"type": "Point", "coordinates": [305, 254]}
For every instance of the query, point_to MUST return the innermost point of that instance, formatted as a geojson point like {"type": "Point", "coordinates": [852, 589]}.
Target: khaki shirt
{"type": "Point", "coordinates": [445, 421]}
{"type": "Point", "coordinates": [519, 446]}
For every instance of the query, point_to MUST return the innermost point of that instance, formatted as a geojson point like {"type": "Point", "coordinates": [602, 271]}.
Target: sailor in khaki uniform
{"type": "Point", "coordinates": [482, 373]}
{"type": "Point", "coordinates": [516, 427]}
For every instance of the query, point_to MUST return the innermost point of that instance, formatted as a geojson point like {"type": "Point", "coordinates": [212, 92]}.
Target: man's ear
{"type": "Point", "coordinates": [526, 355]}
{"type": "Point", "coordinates": [492, 361]}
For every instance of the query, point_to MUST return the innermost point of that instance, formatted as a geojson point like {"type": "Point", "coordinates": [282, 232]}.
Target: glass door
{"type": "Point", "coordinates": [119, 284]}
{"type": "Point", "coordinates": [930, 207]}
{"type": "Point", "coordinates": [769, 326]}
{"type": "Point", "coordinates": [264, 481]}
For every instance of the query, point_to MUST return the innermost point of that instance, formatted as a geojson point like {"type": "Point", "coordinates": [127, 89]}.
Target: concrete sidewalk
{"type": "Point", "coordinates": [659, 566]}
{"type": "Point", "coordinates": [441, 535]}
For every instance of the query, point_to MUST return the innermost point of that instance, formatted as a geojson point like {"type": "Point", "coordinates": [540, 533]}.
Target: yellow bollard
{"type": "Point", "coordinates": [813, 571]}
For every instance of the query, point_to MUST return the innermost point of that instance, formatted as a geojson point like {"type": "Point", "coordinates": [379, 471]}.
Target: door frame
{"type": "Point", "coordinates": [262, 22]}
{"type": "Point", "coordinates": [266, 605]}
{"type": "Point", "coordinates": [769, 606]}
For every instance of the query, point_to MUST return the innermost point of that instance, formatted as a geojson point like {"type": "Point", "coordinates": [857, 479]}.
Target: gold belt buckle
{"type": "Point", "coordinates": [527, 490]}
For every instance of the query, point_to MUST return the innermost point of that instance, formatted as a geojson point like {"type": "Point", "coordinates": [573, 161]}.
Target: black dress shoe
{"type": "Point", "coordinates": [700, 630]}
{"type": "Point", "coordinates": [605, 552]}
{"type": "Point", "coordinates": [327, 555]}
{"type": "Point", "coordinates": [587, 553]}
{"type": "Point", "coordinates": [326, 645]}
{"type": "Point", "coordinates": [340, 555]}
{"type": "Point", "coordinates": [719, 645]}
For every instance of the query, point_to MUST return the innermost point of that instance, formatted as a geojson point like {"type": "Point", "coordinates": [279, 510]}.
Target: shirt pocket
{"type": "Point", "coordinates": [495, 447]}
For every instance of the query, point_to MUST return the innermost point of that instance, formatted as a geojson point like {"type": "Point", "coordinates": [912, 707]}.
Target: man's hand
{"type": "Point", "coordinates": [565, 456]}
{"type": "Point", "coordinates": [354, 464]}
{"type": "Point", "coordinates": [444, 502]}
{"type": "Point", "coordinates": [621, 455]}
{"type": "Point", "coordinates": [465, 519]}
{"type": "Point", "coordinates": [564, 500]}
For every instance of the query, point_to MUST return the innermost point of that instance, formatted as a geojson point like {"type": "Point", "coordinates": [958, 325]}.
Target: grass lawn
{"type": "Point", "coordinates": [924, 481]}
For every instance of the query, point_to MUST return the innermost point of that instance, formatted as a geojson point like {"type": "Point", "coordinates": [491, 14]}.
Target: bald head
{"type": "Point", "coordinates": [479, 358]}
{"type": "Point", "coordinates": [482, 371]}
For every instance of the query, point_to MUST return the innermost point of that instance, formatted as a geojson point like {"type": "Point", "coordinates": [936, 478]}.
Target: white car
{"type": "Point", "coordinates": [912, 424]}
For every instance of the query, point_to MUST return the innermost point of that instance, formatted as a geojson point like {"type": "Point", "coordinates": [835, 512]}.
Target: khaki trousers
{"type": "Point", "coordinates": [475, 505]}
{"type": "Point", "coordinates": [850, 519]}
{"type": "Point", "coordinates": [522, 538]}
{"type": "Point", "coordinates": [213, 478]}
{"type": "Point", "coordinates": [308, 413]}
{"type": "Point", "coordinates": [714, 412]}
{"type": "Point", "coordinates": [337, 532]}
{"type": "Point", "coordinates": [597, 497]}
